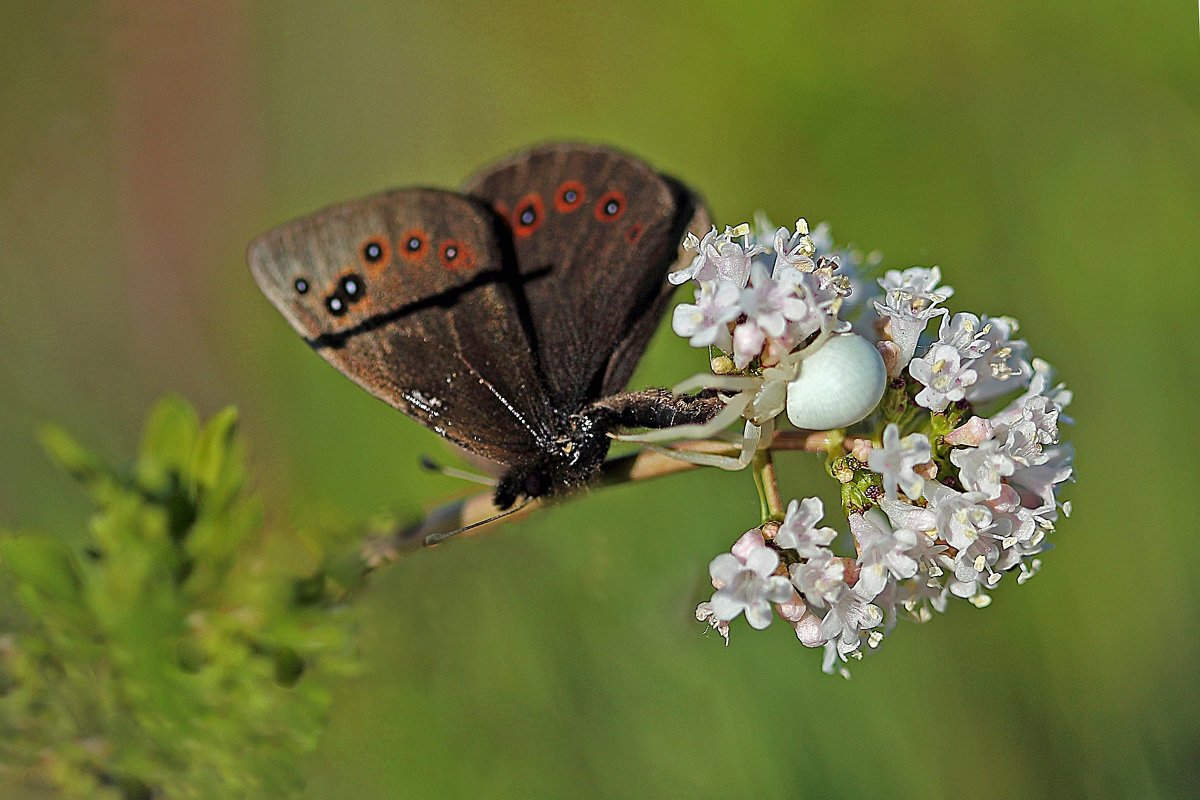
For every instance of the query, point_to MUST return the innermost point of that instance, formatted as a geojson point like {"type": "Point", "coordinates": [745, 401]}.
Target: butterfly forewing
{"type": "Point", "coordinates": [595, 233]}
{"type": "Point", "coordinates": [408, 293]}
{"type": "Point", "coordinates": [503, 318]}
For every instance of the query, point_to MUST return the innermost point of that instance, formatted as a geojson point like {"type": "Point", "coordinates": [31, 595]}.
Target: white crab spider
{"type": "Point", "coordinates": [839, 387]}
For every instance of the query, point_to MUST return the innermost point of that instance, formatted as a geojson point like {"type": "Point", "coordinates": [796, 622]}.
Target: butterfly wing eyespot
{"type": "Point", "coordinates": [301, 285]}
{"type": "Point", "coordinates": [352, 288]}
{"type": "Point", "coordinates": [413, 244]}
{"type": "Point", "coordinates": [336, 305]}
{"type": "Point", "coordinates": [610, 206]}
{"type": "Point", "coordinates": [569, 196]}
{"type": "Point", "coordinates": [634, 232]}
{"type": "Point", "coordinates": [528, 214]}
{"type": "Point", "coordinates": [374, 251]}
{"type": "Point", "coordinates": [456, 255]}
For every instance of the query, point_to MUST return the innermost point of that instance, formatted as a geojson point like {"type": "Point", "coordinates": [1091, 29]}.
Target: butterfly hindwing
{"type": "Point", "coordinates": [409, 294]}
{"type": "Point", "coordinates": [602, 230]}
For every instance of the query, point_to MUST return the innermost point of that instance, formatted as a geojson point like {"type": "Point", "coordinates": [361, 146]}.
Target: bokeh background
{"type": "Point", "coordinates": [1046, 155]}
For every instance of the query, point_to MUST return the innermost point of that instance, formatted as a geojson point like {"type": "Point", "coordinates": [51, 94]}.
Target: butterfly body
{"type": "Point", "coordinates": [506, 318]}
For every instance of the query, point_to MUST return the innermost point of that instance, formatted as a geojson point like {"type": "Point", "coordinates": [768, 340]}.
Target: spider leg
{"type": "Point", "coordinates": [723, 419]}
{"type": "Point", "coordinates": [706, 380]}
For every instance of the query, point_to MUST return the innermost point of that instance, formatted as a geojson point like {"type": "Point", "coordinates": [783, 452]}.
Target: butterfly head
{"type": "Point", "coordinates": [567, 463]}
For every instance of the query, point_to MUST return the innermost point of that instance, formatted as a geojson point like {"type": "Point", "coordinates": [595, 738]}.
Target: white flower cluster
{"type": "Point", "coordinates": [945, 486]}
{"type": "Point", "coordinates": [771, 302]}
{"type": "Point", "coordinates": [755, 310]}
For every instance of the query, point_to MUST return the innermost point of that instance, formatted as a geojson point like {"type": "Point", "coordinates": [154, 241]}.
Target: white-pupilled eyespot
{"type": "Point", "coordinates": [838, 385]}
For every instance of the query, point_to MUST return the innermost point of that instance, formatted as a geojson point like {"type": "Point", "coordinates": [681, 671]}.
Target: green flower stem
{"type": "Point", "coordinates": [770, 504]}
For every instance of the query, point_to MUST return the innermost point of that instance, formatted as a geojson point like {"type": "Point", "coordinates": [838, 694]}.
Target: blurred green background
{"type": "Point", "coordinates": [1047, 156]}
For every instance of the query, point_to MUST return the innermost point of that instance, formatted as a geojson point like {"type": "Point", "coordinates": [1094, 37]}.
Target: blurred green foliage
{"type": "Point", "coordinates": [171, 654]}
{"type": "Point", "coordinates": [1044, 154]}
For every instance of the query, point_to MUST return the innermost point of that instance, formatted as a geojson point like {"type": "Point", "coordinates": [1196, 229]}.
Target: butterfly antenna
{"type": "Point", "coordinates": [450, 472]}
{"type": "Point", "coordinates": [438, 538]}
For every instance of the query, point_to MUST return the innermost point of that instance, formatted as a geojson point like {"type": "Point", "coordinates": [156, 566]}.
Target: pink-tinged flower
{"type": "Point", "coordinates": [718, 257]}
{"type": "Point", "coordinates": [799, 530]}
{"type": "Point", "coordinates": [971, 433]}
{"type": "Point", "coordinates": [705, 613]}
{"type": "Point", "coordinates": [746, 582]}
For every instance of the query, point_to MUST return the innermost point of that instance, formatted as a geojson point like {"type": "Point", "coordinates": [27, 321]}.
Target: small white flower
{"type": "Point", "coordinates": [944, 376]}
{"type": "Point", "coordinates": [974, 567]}
{"type": "Point", "coordinates": [747, 584]}
{"type": "Point", "coordinates": [882, 552]}
{"type": "Point", "coordinates": [821, 579]}
{"type": "Point", "coordinates": [1020, 523]}
{"type": "Point", "coordinates": [849, 616]}
{"type": "Point", "coordinates": [799, 530]}
{"type": "Point", "coordinates": [919, 284]}
{"type": "Point", "coordinates": [1036, 413]}
{"type": "Point", "coordinates": [982, 468]}
{"type": "Point", "coordinates": [961, 516]}
{"type": "Point", "coordinates": [718, 257]}
{"type": "Point", "coordinates": [1036, 484]}
{"type": "Point", "coordinates": [1042, 383]}
{"type": "Point", "coordinates": [906, 322]}
{"type": "Point", "coordinates": [966, 334]}
{"type": "Point", "coordinates": [707, 322]}
{"type": "Point", "coordinates": [762, 302]}
{"type": "Point", "coordinates": [906, 515]}
{"type": "Point", "coordinates": [794, 250]}
{"type": "Point", "coordinates": [895, 460]}
{"type": "Point", "coordinates": [1004, 368]}
{"type": "Point", "coordinates": [1023, 443]}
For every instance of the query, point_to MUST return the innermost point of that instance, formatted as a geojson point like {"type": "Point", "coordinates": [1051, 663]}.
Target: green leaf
{"type": "Point", "coordinates": [167, 443]}
{"type": "Point", "coordinates": [212, 465]}
{"type": "Point", "coordinates": [81, 465]}
{"type": "Point", "coordinates": [44, 564]}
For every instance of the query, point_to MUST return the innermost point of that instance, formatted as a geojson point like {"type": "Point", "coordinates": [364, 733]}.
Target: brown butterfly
{"type": "Point", "coordinates": [508, 317]}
